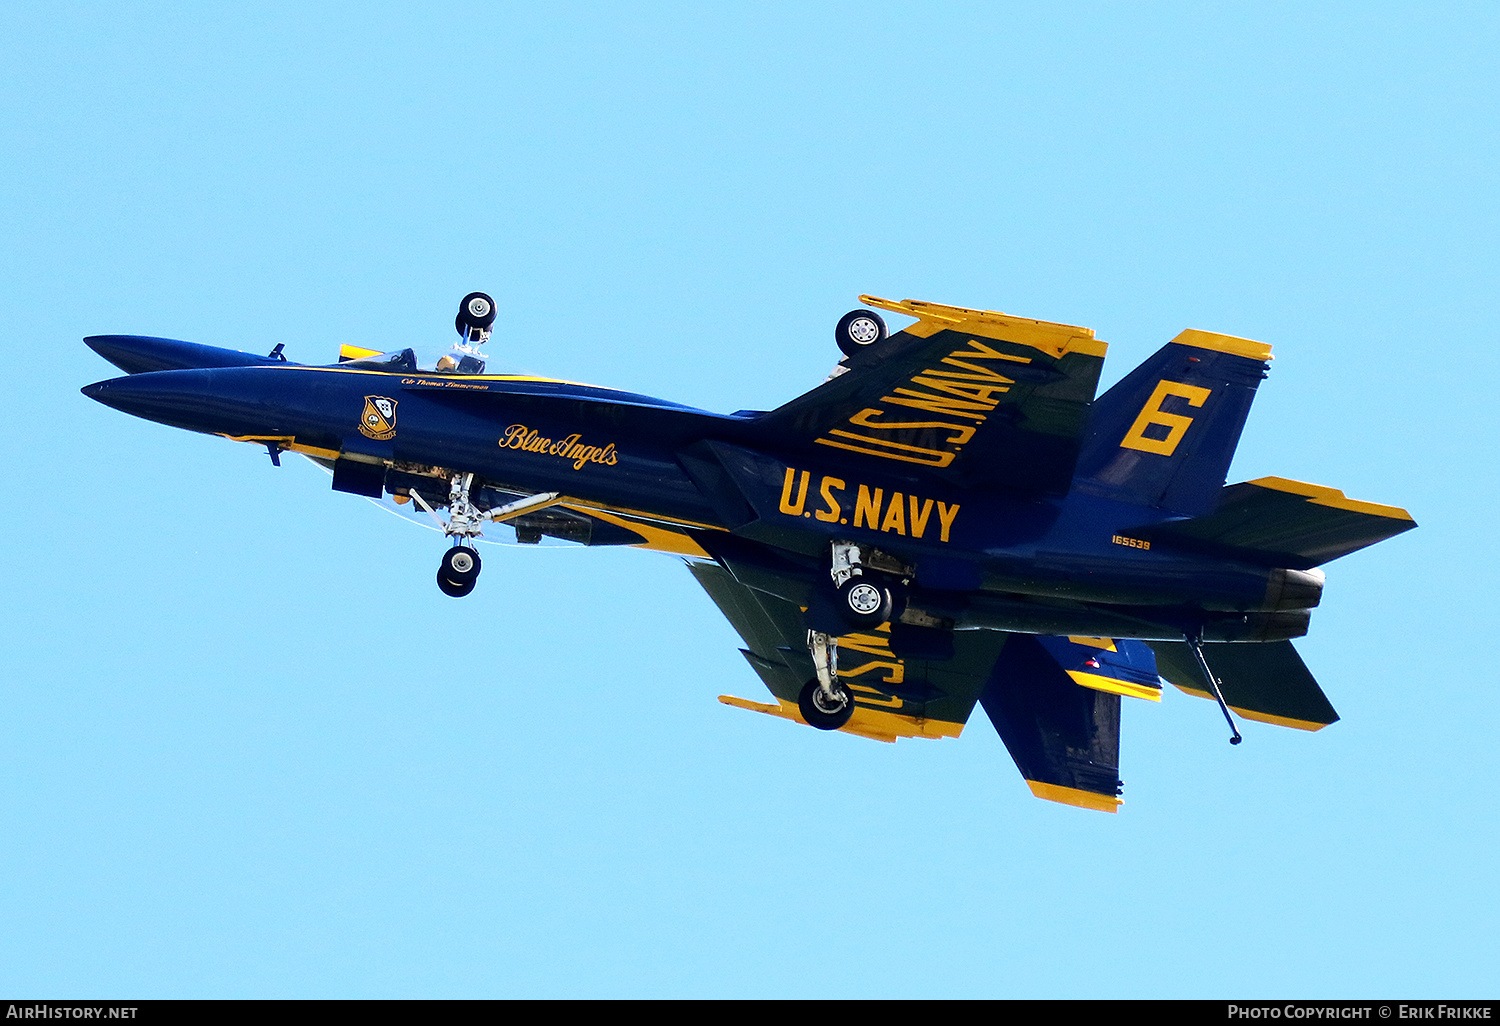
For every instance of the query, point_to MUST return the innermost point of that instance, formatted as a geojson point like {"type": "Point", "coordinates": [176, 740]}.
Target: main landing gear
{"type": "Point", "coordinates": [859, 329]}
{"type": "Point", "coordinates": [825, 702]}
{"type": "Point", "coordinates": [866, 598]}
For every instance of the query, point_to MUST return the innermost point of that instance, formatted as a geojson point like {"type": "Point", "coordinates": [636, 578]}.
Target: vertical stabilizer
{"type": "Point", "coordinates": [1164, 436]}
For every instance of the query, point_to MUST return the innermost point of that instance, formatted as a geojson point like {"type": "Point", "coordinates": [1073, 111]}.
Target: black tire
{"type": "Point", "coordinates": [864, 602]}
{"type": "Point", "coordinates": [460, 565]}
{"type": "Point", "coordinates": [814, 712]}
{"type": "Point", "coordinates": [476, 311]}
{"type": "Point", "coordinates": [454, 589]}
{"type": "Point", "coordinates": [899, 597]}
{"type": "Point", "coordinates": [858, 330]}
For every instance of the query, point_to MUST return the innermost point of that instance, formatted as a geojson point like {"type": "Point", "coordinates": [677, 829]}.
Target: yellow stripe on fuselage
{"type": "Point", "coordinates": [658, 539]}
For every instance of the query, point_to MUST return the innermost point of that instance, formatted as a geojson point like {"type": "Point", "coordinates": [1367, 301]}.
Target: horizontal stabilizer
{"type": "Point", "coordinates": [1277, 522]}
{"type": "Point", "coordinates": [1065, 739]}
{"type": "Point", "coordinates": [1122, 667]}
{"type": "Point", "coordinates": [1266, 682]}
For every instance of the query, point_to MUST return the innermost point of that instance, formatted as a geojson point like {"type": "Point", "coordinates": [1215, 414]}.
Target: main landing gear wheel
{"type": "Point", "coordinates": [819, 712]}
{"type": "Point", "coordinates": [477, 310]}
{"type": "Point", "coordinates": [858, 330]}
{"type": "Point", "coordinates": [864, 603]}
{"type": "Point", "coordinates": [475, 315]}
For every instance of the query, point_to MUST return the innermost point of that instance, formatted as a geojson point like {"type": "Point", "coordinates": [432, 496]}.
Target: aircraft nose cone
{"type": "Point", "coordinates": [142, 354]}
{"type": "Point", "coordinates": [230, 401]}
{"type": "Point", "coordinates": [168, 397]}
{"type": "Point", "coordinates": [135, 354]}
{"type": "Point", "coordinates": [119, 393]}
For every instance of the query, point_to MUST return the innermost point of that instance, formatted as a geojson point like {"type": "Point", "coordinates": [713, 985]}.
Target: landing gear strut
{"type": "Point", "coordinates": [825, 702]}
{"type": "Point", "coordinates": [865, 599]}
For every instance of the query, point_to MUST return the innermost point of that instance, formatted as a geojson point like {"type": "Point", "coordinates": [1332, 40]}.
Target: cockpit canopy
{"type": "Point", "coordinates": [404, 361]}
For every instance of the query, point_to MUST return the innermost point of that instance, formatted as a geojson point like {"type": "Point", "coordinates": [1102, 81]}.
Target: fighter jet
{"type": "Point", "coordinates": [952, 519]}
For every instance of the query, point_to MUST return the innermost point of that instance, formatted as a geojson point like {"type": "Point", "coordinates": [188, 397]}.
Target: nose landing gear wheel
{"type": "Point", "coordinates": [451, 589]}
{"type": "Point", "coordinates": [819, 712]}
{"type": "Point", "coordinates": [460, 564]}
{"type": "Point", "coordinates": [459, 571]}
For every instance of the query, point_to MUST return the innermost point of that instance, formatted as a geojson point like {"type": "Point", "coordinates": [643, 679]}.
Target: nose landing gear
{"type": "Point", "coordinates": [459, 571]}
{"type": "Point", "coordinates": [825, 702]}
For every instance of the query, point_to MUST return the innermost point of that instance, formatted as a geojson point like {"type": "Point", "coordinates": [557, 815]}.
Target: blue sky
{"type": "Point", "coordinates": [250, 750]}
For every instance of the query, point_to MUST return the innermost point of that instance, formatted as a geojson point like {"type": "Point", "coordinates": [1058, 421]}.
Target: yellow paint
{"type": "Point", "coordinates": [1280, 721]}
{"type": "Point", "coordinates": [378, 421]}
{"type": "Point", "coordinates": [960, 436]}
{"type": "Point", "coordinates": [895, 515]}
{"type": "Point", "coordinates": [946, 515]}
{"type": "Point", "coordinates": [1258, 717]}
{"type": "Point", "coordinates": [921, 454]}
{"type": "Point", "coordinates": [592, 506]}
{"type": "Point", "coordinates": [1115, 686]}
{"type": "Point", "coordinates": [1322, 495]}
{"type": "Point", "coordinates": [1051, 338]}
{"type": "Point", "coordinates": [831, 510]}
{"type": "Point", "coordinates": [1151, 414]}
{"type": "Point", "coordinates": [287, 442]}
{"type": "Point", "coordinates": [658, 539]}
{"type": "Point", "coordinates": [875, 724]}
{"type": "Point", "coordinates": [570, 449]}
{"type": "Point", "coordinates": [1224, 344]}
{"type": "Point", "coordinates": [920, 513]}
{"type": "Point", "coordinates": [432, 378]}
{"type": "Point", "coordinates": [869, 696]}
{"type": "Point", "coordinates": [790, 508]}
{"type": "Point", "coordinates": [1074, 796]}
{"type": "Point", "coordinates": [348, 352]}
{"type": "Point", "coordinates": [964, 384]}
{"type": "Point", "coordinates": [1108, 644]}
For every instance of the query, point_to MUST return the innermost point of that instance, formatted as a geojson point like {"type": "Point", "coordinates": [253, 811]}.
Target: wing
{"type": "Point", "coordinates": [924, 686]}
{"type": "Point", "coordinates": [970, 398]}
{"type": "Point", "coordinates": [1054, 701]}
